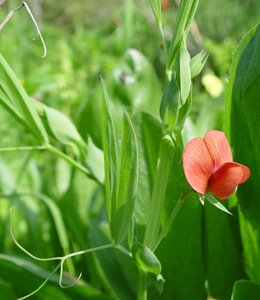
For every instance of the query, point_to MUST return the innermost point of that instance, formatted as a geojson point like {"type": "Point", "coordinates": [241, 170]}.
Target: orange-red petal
{"type": "Point", "coordinates": [197, 164]}
{"type": "Point", "coordinates": [224, 181]}
{"type": "Point", "coordinates": [218, 147]}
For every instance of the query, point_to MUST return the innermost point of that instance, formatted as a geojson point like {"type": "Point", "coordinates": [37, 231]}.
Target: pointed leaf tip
{"type": "Point", "coordinates": [217, 204]}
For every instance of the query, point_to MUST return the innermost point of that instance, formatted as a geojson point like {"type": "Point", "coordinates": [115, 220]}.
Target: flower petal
{"type": "Point", "coordinates": [218, 147]}
{"type": "Point", "coordinates": [246, 172]}
{"type": "Point", "coordinates": [224, 181]}
{"type": "Point", "coordinates": [197, 164]}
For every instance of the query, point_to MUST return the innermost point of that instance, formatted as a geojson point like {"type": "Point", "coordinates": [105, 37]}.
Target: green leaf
{"type": "Point", "coordinates": [183, 113]}
{"type": "Point", "coordinates": [197, 63]}
{"type": "Point", "coordinates": [146, 259]}
{"type": "Point", "coordinates": [159, 191]}
{"type": "Point", "coordinates": [95, 161]}
{"type": "Point", "coordinates": [223, 256]}
{"type": "Point", "coordinates": [25, 276]}
{"type": "Point", "coordinates": [63, 174]}
{"type": "Point", "coordinates": [184, 19]}
{"type": "Point", "coordinates": [89, 124]}
{"type": "Point", "coordinates": [59, 226]}
{"type": "Point", "coordinates": [10, 107]}
{"type": "Point", "coordinates": [232, 74]}
{"type": "Point", "coordinates": [149, 133]}
{"type": "Point", "coordinates": [157, 10]}
{"type": "Point", "coordinates": [185, 73]}
{"type": "Point", "coordinates": [64, 130]}
{"type": "Point", "coordinates": [216, 203]}
{"type": "Point", "coordinates": [110, 156]}
{"type": "Point", "coordinates": [20, 106]}
{"type": "Point", "coordinates": [245, 289]}
{"type": "Point", "coordinates": [243, 105]}
{"type": "Point", "coordinates": [180, 253]}
{"type": "Point", "coordinates": [169, 105]}
{"type": "Point", "coordinates": [107, 269]}
{"type": "Point", "coordinates": [128, 179]}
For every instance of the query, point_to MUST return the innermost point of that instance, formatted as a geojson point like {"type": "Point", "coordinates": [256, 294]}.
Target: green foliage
{"type": "Point", "coordinates": [15, 99]}
{"type": "Point", "coordinates": [243, 112]}
{"type": "Point", "coordinates": [106, 176]}
{"type": "Point", "coordinates": [245, 289]}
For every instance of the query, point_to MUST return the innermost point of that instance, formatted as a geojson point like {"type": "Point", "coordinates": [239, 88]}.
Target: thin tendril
{"type": "Point", "coordinates": [42, 285]}
{"type": "Point", "coordinates": [22, 248]}
{"type": "Point", "coordinates": [61, 277]}
{"type": "Point", "coordinates": [38, 32]}
{"type": "Point", "coordinates": [61, 258]}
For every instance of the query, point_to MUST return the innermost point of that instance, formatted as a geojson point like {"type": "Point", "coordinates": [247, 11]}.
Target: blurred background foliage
{"type": "Point", "coordinates": [86, 39]}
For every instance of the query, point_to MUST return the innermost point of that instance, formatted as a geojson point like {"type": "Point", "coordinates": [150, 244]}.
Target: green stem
{"type": "Point", "coordinates": [24, 148]}
{"type": "Point", "coordinates": [172, 217]}
{"type": "Point", "coordinates": [68, 159]}
{"type": "Point", "coordinates": [159, 191]}
{"type": "Point", "coordinates": [128, 20]}
{"type": "Point", "coordinates": [142, 291]}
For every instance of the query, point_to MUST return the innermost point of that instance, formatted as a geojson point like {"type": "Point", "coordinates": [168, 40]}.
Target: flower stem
{"type": "Point", "coordinates": [172, 217]}
{"type": "Point", "coordinates": [158, 195]}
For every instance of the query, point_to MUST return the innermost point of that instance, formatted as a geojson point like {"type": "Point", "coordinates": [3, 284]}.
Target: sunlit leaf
{"type": "Point", "coordinates": [216, 203]}
{"type": "Point", "coordinates": [64, 130]}
{"type": "Point", "coordinates": [185, 73]}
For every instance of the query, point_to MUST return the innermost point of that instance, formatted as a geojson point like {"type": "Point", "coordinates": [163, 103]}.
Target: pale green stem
{"type": "Point", "coordinates": [23, 148]}
{"type": "Point", "coordinates": [142, 291]}
{"type": "Point", "coordinates": [71, 161]}
{"type": "Point", "coordinates": [55, 151]}
{"type": "Point", "coordinates": [158, 195]}
{"type": "Point", "coordinates": [171, 218]}
{"type": "Point", "coordinates": [159, 191]}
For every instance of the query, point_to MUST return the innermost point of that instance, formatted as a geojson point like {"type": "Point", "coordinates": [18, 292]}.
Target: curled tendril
{"type": "Point", "coordinates": [42, 285]}
{"type": "Point", "coordinates": [38, 32]}
{"type": "Point", "coordinates": [61, 260]}
{"type": "Point", "coordinates": [61, 277]}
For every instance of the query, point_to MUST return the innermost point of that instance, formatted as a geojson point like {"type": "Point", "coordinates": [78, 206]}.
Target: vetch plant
{"type": "Point", "coordinates": [145, 181]}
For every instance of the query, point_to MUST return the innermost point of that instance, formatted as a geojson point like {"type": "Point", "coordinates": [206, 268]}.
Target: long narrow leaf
{"type": "Point", "coordinates": [128, 179]}
{"type": "Point", "coordinates": [110, 156]}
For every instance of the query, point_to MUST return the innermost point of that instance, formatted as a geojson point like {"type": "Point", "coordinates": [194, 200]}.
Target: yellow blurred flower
{"type": "Point", "coordinates": [212, 84]}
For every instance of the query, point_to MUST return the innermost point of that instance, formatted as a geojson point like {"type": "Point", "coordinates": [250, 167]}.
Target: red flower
{"type": "Point", "coordinates": [209, 167]}
{"type": "Point", "coordinates": [165, 5]}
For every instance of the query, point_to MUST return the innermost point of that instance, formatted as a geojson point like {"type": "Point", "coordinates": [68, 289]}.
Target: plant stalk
{"type": "Point", "coordinates": [142, 291]}
{"type": "Point", "coordinates": [159, 191]}
{"type": "Point", "coordinates": [172, 217]}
